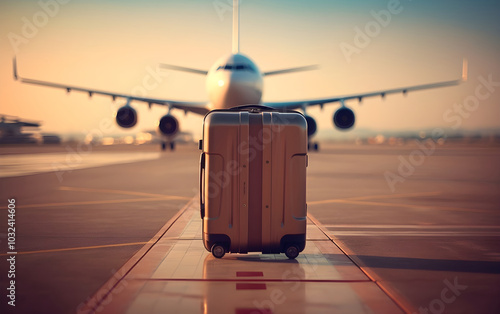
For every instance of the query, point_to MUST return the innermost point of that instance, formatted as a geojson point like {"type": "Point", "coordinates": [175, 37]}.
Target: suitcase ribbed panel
{"type": "Point", "coordinates": [255, 183]}
{"type": "Point", "coordinates": [267, 187]}
{"type": "Point", "coordinates": [241, 244]}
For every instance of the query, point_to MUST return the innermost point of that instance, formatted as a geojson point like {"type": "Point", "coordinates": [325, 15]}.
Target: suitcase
{"type": "Point", "coordinates": [253, 181]}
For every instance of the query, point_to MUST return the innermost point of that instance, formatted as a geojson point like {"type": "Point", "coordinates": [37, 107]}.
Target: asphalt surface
{"type": "Point", "coordinates": [429, 236]}
{"type": "Point", "coordinates": [440, 226]}
{"type": "Point", "coordinates": [101, 207]}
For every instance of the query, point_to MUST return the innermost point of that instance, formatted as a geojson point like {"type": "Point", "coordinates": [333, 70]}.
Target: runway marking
{"type": "Point", "coordinates": [69, 188]}
{"type": "Point", "coordinates": [133, 200]}
{"type": "Point", "coordinates": [401, 303]}
{"type": "Point", "coordinates": [79, 248]}
{"type": "Point", "coordinates": [113, 282]}
{"type": "Point", "coordinates": [148, 197]}
{"type": "Point", "coordinates": [428, 233]}
{"type": "Point", "coordinates": [250, 280]}
{"type": "Point", "coordinates": [250, 286]}
{"type": "Point", "coordinates": [359, 201]}
{"type": "Point", "coordinates": [412, 226]}
{"type": "Point", "coordinates": [395, 196]}
{"type": "Point", "coordinates": [249, 274]}
{"type": "Point", "coordinates": [443, 208]}
{"type": "Point", "coordinates": [360, 198]}
{"type": "Point", "coordinates": [415, 230]}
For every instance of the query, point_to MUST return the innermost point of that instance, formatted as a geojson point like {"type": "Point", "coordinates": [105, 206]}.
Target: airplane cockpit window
{"type": "Point", "coordinates": [237, 67]}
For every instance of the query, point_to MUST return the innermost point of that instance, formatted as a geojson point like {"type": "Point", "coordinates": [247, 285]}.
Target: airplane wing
{"type": "Point", "coordinates": [200, 108]}
{"type": "Point", "coordinates": [183, 69]}
{"type": "Point", "coordinates": [302, 104]}
{"type": "Point", "coordinates": [291, 70]}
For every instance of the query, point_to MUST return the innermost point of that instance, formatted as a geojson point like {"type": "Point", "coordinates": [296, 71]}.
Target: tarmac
{"type": "Point", "coordinates": [391, 229]}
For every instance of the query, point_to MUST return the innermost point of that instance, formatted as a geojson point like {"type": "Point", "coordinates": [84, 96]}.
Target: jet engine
{"type": "Point", "coordinates": [126, 117]}
{"type": "Point", "coordinates": [311, 126]}
{"type": "Point", "coordinates": [344, 118]}
{"type": "Point", "coordinates": [168, 125]}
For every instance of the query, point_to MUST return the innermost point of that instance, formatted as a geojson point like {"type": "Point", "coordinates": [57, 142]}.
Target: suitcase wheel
{"type": "Point", "coordinates": [218, 250]}
{"type": "Point", "coordinates": [292, 251]}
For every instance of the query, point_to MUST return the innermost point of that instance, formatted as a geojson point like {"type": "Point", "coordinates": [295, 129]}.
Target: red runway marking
{"type": "Point", "coordinates": [253, 311]}
{"type": "Point", "coordinates": [250, 286]}
{"type": "Point", "coordinates": [249, 274]}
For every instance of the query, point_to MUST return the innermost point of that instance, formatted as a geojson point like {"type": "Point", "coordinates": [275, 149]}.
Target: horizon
{"type": "Point", "coordinates": [113, 47]}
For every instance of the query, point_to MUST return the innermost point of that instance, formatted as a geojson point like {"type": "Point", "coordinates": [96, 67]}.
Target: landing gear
{"type": "Point", "coordinates": [218, 250]}
{"type": "Point", "coordinates": [313, 146]}
{"type": "Point", "coordinates": [170, 144]}
{"type": "Point", "coordinates": [292, 251]}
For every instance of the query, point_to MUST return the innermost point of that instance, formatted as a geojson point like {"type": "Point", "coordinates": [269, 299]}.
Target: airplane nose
{"type": "Point", "coordinates": [233, 88]}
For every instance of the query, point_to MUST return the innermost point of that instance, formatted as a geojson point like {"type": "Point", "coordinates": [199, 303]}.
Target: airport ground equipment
{"type": "Point", "coordinates": [253, 181]}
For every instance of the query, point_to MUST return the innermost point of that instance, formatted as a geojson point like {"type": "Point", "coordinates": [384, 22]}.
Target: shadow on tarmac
{"type": "Point", "coordinates": [486, 267]}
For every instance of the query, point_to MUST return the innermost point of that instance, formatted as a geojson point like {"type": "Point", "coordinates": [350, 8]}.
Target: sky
{"type": "Point", "coordinates": [360, 46]}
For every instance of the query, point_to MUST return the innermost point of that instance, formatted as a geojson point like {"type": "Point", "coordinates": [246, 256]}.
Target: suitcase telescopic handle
{"type": "Point", "coordinates": [257, 108]}
{"type": "Point", "coordinates": [202, 177]}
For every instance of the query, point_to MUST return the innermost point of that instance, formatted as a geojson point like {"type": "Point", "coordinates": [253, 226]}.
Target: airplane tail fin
{"type": "Point", "coordinates": [236, 27]}
{"type": "Point", "coordinates": [464, 70]}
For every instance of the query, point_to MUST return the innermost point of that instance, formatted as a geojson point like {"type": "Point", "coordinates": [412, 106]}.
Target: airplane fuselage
{"type": "Point", "coordinates": [234, 80]}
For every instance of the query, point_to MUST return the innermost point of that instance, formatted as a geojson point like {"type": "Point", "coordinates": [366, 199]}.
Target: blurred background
{"type": "Point", "coordinates": [113, 45]}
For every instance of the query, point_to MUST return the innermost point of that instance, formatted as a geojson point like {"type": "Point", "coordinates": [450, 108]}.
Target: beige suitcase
{"type": "Point", "coordinates": [253, 181]}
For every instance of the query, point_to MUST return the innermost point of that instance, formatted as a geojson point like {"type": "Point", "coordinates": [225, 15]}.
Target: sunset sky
{"type": "Point", "coordinates": [112, 45]}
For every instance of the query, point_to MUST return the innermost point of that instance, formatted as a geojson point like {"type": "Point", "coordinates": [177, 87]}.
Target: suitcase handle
{"type": "Point", "coordinates": [202, 177]}
{"type": "Point", "coordinates": [257, 108]}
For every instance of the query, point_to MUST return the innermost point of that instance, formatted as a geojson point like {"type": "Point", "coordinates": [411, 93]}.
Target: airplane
{"type": "Point", "coordinates": [12, 130]}
{"type": "Point", "coordinates": [235, 80]}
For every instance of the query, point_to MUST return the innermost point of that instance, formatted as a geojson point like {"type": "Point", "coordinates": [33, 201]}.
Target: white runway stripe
{"type": "Point", "coordinates": [26, 164]}
{"type": "Point", "coordinates": [413, 230]}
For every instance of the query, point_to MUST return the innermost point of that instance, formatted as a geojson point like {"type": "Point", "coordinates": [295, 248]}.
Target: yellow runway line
{"type": "Point", "coordinates": [372, 197]}
{"type": "Point", "coordinates": [361, 201]}
{"type": "Point", "coordinates": [133, 200]}
{"type": "Point", "coordinates": [427, 207]}
{"type": "Point", "coordinates": [78, 248]}
{"type": "Point", "coordinates": [359, 198]}
{"type": "Point", "coordinates": [69, 188]}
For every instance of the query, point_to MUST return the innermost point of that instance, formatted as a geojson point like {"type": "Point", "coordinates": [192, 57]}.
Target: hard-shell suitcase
{"type": "Point", "coordinates": [253, 181]}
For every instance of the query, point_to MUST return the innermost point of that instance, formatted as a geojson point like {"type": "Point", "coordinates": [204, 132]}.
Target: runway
{"type": "Point", "coordinates": [113, 237]}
